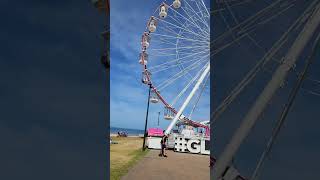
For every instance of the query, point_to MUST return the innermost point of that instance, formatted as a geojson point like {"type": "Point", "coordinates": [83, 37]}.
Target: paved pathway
{"type": "Point", "coordinates": [175, 167]}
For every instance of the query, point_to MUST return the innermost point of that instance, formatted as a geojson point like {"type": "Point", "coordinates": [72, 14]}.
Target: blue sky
{"type": "Point", "coordinates": [128, 96]}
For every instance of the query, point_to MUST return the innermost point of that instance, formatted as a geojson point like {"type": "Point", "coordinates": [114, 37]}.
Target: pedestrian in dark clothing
{"type": "Point", "coordinates": [163, 145]}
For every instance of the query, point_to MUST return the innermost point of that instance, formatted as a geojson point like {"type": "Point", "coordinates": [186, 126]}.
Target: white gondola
{"type": "Point", "coordinates": [152, 25]}
{"type": "Point", "coordinates": [163, 11]}
{"type": "Point", "coordinates": [145, 40]}
{"type": "Point", "coordinates": [145, 78]}
{"type": "Point", "coordinates": [168, 113]}
{"type": "Point", "coordinates": [176, 4]}
{"type": "Point", "coordinates": [143, 58]}
{"type": "Point", "coordinates": [154, 97]}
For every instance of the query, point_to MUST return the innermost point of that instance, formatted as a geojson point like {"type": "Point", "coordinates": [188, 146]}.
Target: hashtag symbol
{"type": "Point", "coordinates": [180, 144]}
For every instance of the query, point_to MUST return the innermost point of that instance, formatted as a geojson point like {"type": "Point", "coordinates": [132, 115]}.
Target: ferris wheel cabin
{"type": "Point", "coordinates": [145, 77]}
{"type": "Point", "coordinates": [143, 58]}
{"type": "Point", "coordinates": [152, 25]}
{"type": "Point", "coordinates": [145, 40]}
{"type": "Point", "coordinates": [163, 11]}
{"type": "Point", "coordinates": [168, 113]}
{"type": "Point", "coordinates": [154, 97]}
{"type": "Point", "coordinates": [176, 4]}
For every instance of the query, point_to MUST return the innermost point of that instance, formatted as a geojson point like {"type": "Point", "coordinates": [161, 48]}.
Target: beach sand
{"type": "Point", "coordinates": [133, 136]}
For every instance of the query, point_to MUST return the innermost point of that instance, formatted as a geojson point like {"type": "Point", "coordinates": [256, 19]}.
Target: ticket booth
{"type": "Point", "coordinates": [154, 136]}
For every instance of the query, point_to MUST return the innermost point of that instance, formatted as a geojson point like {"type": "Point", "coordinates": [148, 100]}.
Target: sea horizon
{"type": "Point", "coordinates": [129, 131]}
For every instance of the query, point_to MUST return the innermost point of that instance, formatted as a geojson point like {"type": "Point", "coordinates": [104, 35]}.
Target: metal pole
{"type": "Point", "coordinates": [158, 118]}
{"type": "Point", "coordinates": [146, 123]}
{"type": "Point", "coordinates": [285, 111]}
{"type": "Point", "coordinates": [184, 105]}
{"type": "Point", "coordinates": [263, 99]}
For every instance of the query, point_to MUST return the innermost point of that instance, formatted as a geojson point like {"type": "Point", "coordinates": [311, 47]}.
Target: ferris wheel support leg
{"type": "Point", "coordinates": [277, 79]}
{"type": "Point", "coordinates": [186, 102]}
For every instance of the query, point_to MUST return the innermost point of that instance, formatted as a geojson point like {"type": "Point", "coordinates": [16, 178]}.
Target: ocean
{"type": "Point", "coordinates": [132, 132]}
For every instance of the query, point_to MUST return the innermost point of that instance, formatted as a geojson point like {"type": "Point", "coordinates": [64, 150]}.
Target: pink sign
{"type": "Point", "coordinates": [155, 132]}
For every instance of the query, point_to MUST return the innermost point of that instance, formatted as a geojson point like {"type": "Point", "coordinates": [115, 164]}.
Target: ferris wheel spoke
{"type": "Point", "coordinates": [189, 32]}
{"type": "Point", "coordinates": [175, 60]}
{"type": "Point", "coordinates": [205, 7]}
{"type": "Point", "coordinates": [180, 50]}
{"type": "Point", "coordinates": [179, 74]}
{"type": "Point", "coordinates": [169, 67]}
{"type": "Point", "coordinates": [243, 2]}
{"type": "Point", "coordinates": [254, 25]}
{"type": "Point", "coordinates": [184, 90]}
{"type": "Point", "coordinates": [247, 21]}
{"type": "Point", "coordinates": [267, 16]}
{"type": "Point", "coordinates": [181, 37]}
{"type": "Point", "coordinates": [179, 27]}
{"type": "Point", "coordinates": [202, 13]}
{"type": "Point", "coordinates": [185, 17]}
{"type": "Point", "coordinates": [200, 10]}
{"type": "Point", "coordinates": [174, 25]}
{"type": "Point", "coordinates": [173, 80]}
{"type": "Point", "coordinates": [172, 66]}
{"type": "Point", "coordinates": [183, 24]}
{"type": "Point", "coordinates": [169, 28]}
{"type": "Point", "coordinates": [247, 31]}
{"type": "Point", "coordinates": [199, 96]}
{"type": "Point", "coordinates": [180, 53]}
{"type": "Point", "coordinates": [183, 72]}
{"type": "Point", "coordinates": [252, 73]}
{"type": "Point", "coordinates": [192, 52]}
{"type": "Point", "coordinates": [163, 41]}
{"type": "Point", "coordinates": [167, 54]}
{"type": "Point", "coordinates": [183, 47]}
{"type": "Point", "coordinates": [177, 19]}
{"type": "Point", "coordinates": [195, 22]}
{"type": "Point", "coordinates": [198, 27]}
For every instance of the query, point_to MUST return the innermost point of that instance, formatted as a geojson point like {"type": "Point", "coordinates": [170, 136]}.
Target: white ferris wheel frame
{"type": "Point", "coordinates": [200, 78]}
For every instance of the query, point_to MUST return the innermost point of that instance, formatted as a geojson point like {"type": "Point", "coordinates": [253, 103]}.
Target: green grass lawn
{"type": "Point", "coordinates": [124, 155]}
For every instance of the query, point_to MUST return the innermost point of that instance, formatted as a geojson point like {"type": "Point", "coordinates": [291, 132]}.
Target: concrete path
{"type": "Point", "coordinates": [175, 167]}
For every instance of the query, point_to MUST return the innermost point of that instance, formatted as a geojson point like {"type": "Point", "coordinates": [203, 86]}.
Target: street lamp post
{"type": "Point", "coordinates": [146, 123]}
{"type": "Point", "coordinates": [158, 118]}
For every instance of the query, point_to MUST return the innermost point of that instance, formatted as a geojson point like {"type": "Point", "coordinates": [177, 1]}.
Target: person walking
{"type": "Point", "coordinates": [163, 145]}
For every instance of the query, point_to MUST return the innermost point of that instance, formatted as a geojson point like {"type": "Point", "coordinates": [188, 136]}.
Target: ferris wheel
{"type": "Point", "coordinates": [175, 50]}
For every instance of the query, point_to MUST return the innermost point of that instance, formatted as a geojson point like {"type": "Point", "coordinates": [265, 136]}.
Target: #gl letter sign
{"type": "Point", "coordinates": [192, 145]}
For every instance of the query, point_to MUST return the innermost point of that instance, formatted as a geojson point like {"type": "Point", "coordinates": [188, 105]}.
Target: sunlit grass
{"type": "Point", "coordinates": [124, 155]}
